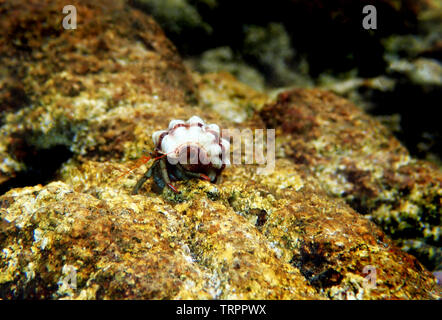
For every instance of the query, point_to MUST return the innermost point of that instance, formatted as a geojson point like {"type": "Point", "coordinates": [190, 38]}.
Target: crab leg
{"type": "Point", "coordinates": [165, 175]}
{"type": "Point", "coordinates": [143, 179]}
{"type": "Point", "coordinates": [157, 178]}
{"type": "Point", "coordinates": [179, 172]}
{"type": "Point", "coordinates": [191, 174]}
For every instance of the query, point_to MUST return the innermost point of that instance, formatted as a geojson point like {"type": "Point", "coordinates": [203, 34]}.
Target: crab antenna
{"type": "Point", "coordinates": [173, 188]}
{"type": "Point", "coordinates": [140, 162]}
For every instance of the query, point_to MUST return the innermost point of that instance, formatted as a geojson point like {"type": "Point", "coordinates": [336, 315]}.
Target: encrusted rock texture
{"type": "Point", "coordinates": [358, 160]}
{"type": "Point", "coordinates": [301, 231]}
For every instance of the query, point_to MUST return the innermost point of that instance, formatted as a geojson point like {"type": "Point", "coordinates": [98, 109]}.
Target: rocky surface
{"type": "Point", "coordinates": [100, 91]}
{"type": "Point", "coordinates": [359, 160]}
{"type": "Point", "coordinates": [60, 81]}
{"type": "Point", "coordinates": [252, 236]}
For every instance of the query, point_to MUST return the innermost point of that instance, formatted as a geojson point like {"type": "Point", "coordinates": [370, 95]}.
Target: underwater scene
{"type": "Point", "coordinates": [220, 150]}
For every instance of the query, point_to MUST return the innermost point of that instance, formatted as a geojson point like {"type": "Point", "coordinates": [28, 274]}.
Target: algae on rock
{"type": "Point", "coordinates": [280, 235]}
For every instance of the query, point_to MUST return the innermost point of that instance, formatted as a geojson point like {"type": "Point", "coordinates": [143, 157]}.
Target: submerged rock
{"type": "Point", "coordinates": [223, 59]}
{"type": "Point", "coordinates": [66, 82]}
{"type": "Point", "coordinates": [102, 90]}
{"type": "Point", "coordinates": [276, 236]}
{"type": "Point", "coordinates": [359, 160]}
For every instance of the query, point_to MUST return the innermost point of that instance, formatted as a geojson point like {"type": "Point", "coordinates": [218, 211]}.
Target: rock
{"type": "Point", "coordinates": [223, 59]}
{"type": "Point", "coordinates": [357, 159]}
{"type": "Point", "coordinates": [181, 19]}
{"type": "Point", "coordinates": [301, 43]}
{"type": "Point", "coordinates": [100, 91]}
{"type": "Point", "coordinates": [270, 49]}
{"type": "Point", "coordinates": [411, 75]}
{"type": "Point", "coordinates": [227, 97]}
{"type": "Point", "coordinates": [262, 237]}
{"type": "Point", "coordinates": [137, 248]}
{"type": "Point", "coordinates": [63, 80]}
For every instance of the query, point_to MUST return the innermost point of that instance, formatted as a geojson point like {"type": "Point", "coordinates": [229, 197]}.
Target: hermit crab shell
{"type": "Point", "coordinates": [195, 136]}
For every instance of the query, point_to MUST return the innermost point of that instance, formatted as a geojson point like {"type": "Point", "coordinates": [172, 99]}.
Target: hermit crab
{"type": "Point", "coordinates": [187, 149]}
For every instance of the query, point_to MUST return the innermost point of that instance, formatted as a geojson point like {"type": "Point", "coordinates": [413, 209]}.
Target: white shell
{"type": "Point", "coordinates": [206, 137]}
{"type": "Point", "coordinates": [156, 135]}
{"type": "Point", "coordinates": [213, 127]}
{"type": "Point", "coordinates": [195, 119]}
{"type": "Point", "coordinates": [173, 123]}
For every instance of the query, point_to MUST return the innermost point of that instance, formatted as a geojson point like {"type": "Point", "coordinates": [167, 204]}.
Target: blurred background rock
{"type": "Point", "coordinates": [393, 72]}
